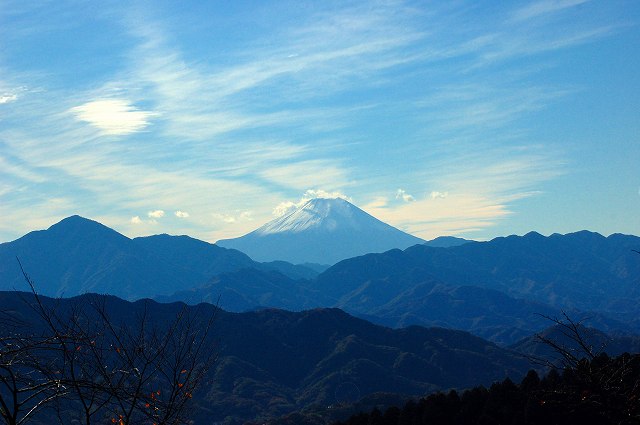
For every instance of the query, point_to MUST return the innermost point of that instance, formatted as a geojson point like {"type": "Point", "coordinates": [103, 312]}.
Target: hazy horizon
{"type": "Point", "coordinates": [131, 236]}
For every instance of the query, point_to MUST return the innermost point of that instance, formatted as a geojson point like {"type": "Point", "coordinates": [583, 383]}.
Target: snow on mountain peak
{"type": "Point", "coordinates": [318, 213]}
{"type": "Point", "coordinates": [323, 231]}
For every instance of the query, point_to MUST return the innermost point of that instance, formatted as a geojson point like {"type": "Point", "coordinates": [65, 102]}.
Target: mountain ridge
{"type": "Point", "coordinates": [514, 276]}
{"type": "Point", "coordinates": [561, 271]}
{"type": "Point", "coordinates": [272, 362]}
{"type": "Point", "coordinates": [78, 255]}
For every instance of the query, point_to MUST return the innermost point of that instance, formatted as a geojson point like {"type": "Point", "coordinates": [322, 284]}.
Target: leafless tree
{"type": "Point", "coordinates": [28, 379]}
{"type": "Point", "coordinates": [610, 385]}
{"type": "Point", "coordinates": [137, 369]}
{"type": "Point", "coordinates": [571, 349]}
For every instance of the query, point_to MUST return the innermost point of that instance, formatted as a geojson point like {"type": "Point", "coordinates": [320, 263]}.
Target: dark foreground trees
{"type": "Point", "coordinates": [599, 391]}
{"type": "Point", "coordinates": [87, 364]}
{"type": "Point", "coordinates": [583, 386]}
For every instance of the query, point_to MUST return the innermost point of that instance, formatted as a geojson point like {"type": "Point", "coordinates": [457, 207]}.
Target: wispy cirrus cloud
{"type": "Point", "coordinates": [318, 59]}
{"type": "Point", "coordinates": [9, 93]}
{"type": "Point", "coordinates": [544, 7]}
{"type": "Point", "coordinates": [472, 196]}
{"type": "Point", "coordinates": [308, 173]}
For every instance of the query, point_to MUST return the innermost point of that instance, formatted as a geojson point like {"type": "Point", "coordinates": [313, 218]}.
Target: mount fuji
{"type": "Point", "coordinates": [322, 231]}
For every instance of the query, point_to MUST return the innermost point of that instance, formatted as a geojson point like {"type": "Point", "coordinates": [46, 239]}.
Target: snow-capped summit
{"type": "Point", "coordinates": [319, 214]}
{"type": "Point", "coordinates": [321, 231]}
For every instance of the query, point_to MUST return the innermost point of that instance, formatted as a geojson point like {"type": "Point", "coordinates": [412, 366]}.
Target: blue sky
{"type": "Point", "coordinates": [476, 119]}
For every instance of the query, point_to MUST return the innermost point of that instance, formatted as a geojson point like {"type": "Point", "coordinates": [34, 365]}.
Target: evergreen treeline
{"type": "Point", "coordinates": [601, 391]}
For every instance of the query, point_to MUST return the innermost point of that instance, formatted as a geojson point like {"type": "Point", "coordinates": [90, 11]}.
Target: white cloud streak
{"type": "Point", "coordinates": [113, 116]}
{"type": "Point", "coordinates": [199, 103]}
{"type": "Point", "coordinates": [543, 8]}
{"type": "Point", "coordinates": [476, 195]}
{"type": "Point", "coordinates": [6, 98]}
{"type": "Point", "coordinates": [304, 174]}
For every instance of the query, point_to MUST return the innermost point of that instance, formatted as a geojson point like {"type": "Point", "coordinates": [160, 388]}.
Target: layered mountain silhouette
{"type": "Point", "coordinates": [78, 255]}
{"type": "Point", "coordinates": [273, 362]}
{"type": "Point", "coordinates": [581, 270]}
{"type": "Point", "coordinates": [500, 290]}
{"type": "Point", "coordinates": [251, 289]}
{"type": "Point", "coordinates": [497, 289]}
{"type": "Point", "coordinates": [321, 231]}
{"type": "Point", "coordinates": [506, 278]}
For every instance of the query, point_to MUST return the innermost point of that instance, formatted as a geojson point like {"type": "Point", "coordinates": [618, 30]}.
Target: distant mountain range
{"type": "Point", "coordinates": [274, 362]}
{"type": "Point", "coordinates": [581, 271]}
{"type": "Point", "coordinates": [321, 231]}
{"type": "Point", "coordinates": [497, 289]}
{"type": "Point", "coordinates": [78, 255]}
{"type": "Point", "coordinates": [500, 290]}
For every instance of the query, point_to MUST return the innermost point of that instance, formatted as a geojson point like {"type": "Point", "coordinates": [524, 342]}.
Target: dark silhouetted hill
{"type": "Point", "coordinates": [273, 362]}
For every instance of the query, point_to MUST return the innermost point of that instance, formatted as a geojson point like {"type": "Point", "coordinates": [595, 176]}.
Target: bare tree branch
{"type": "Point", "coordinates": [79, 361]}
